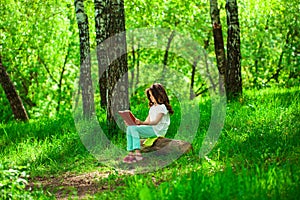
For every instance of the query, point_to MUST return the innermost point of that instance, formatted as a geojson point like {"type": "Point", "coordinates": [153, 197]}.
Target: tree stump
{"type": "Point", "coordinates": [166, 145]}
{"type": "Point", "coordinates": [160, 154]}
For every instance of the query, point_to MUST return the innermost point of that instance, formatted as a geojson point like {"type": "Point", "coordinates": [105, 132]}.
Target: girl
{"type": "Point", "coordinates": [155, 125]}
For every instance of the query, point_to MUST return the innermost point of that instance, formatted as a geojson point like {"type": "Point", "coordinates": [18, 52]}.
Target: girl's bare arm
{"type": "Point", "coordinates": [148, 122]}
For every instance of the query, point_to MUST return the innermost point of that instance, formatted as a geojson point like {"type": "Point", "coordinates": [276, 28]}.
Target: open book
{"type": "Point", "coordinates": [128, 117]}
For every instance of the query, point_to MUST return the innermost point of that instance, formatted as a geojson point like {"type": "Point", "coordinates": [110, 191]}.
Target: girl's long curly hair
{"type": "Point", "coordinates": [160, 95]}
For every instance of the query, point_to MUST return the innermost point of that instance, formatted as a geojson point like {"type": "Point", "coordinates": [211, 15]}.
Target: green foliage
{"type": "Point", "coordinates": [5, 111]}
{"type": "Point", "coordinates": [13, 182]}
{"type": "Point", "coordinates": [40, 46]}
{"type": "Point", "coordinates": [269, 39]}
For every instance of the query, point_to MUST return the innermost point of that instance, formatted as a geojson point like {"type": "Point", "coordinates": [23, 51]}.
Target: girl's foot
{"type": "Point", "coordinates": [129, 159]}
{"type": "Point", "coordinates": [138, 157]}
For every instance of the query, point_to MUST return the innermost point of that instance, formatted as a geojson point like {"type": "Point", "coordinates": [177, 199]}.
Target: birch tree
{"type": "Point", "coordinates": [233, 72]}
{"type": "Point", "coordinates": [85, 60]}
{"type": "Point", "coordinates": [102, 17]}
{"type": "Point", "coordinates": [117, 79]}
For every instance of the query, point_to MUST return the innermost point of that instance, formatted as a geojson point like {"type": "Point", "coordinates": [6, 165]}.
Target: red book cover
{"type": "Point", "coordinates": [128, 117]}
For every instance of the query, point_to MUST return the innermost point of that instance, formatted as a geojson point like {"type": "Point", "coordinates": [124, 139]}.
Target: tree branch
{"type": "Point", "coordinates": [46, 67]}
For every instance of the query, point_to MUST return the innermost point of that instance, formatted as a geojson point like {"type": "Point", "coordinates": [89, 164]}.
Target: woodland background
{"type": "Point", "coordinates": [42, 46]}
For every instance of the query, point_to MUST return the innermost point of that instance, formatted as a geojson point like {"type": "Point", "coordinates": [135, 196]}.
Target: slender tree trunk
{"type": "Point", "coordinates": [210, 78]}
{"type": "Point", "coordinates": [25, 86]}
{"type": "Point", "coordinates": [233, 72]}
{"type": "Point", "coordinates": [14, 99]}
{"type": "Point", "coordinates": [102, 17]}
{"type": "Point", "coordinates": [133, 64]}
{"type": "Point", "coordinates": [61, 79]}
{"type": "Point", "coordinates": [194, 66]}
{"type": "Point", "coordinates": [85, 61]}
{"type": "Point", "coordinates": [166, 56]}
{"type": "Point", "coordinates": [293, 61]}
{"type": "Point", "coordinates": [258, 59]}
{"type": "Point", "coordinates": [279, 65]}
{"type": "Point", "coordinates": [256, 63]}
{"type": "Point", "coordinates": [117, 87]}
{"type": "Point", "coordinates": [219, 42]}
{"type": "Point", "coordinates": [192, 94]}
{"type": "Point", "coordinates": [137, 66]}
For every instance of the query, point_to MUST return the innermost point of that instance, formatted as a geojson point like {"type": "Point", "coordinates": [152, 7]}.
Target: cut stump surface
{"type": "Point", "coordinates": [166, 145]}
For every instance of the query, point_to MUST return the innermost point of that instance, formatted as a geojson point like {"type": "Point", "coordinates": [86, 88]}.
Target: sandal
{"type": "Point", "coordinates": [129, 159]}
{"type": "Point", "coordinates": [138, 157]}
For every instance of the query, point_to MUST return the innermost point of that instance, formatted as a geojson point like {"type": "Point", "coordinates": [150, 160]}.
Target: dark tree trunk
{"type": "Point", "coordinates": [166, 56]}
{"type": "Point", "coordinates": [60, 83]}
{"type": "Point", "coordinates": [279, 65]}
{"type": "Point", "coordinates": [117, 80]}
{"type": "Point", "coordinates": [218, 40]}
{"type": "Point", "coordinates": [192, 94]}
{"type": "Point", "coordinates": [85, 61]}
{"type": "Point", "coordinates": [194, 66]}
{"type": "Point", "coordinates": [102, 17]}
{"type": "Point", "coordinates": [11, 93]}
{"type": "Point", "coordinates": [233, 75]}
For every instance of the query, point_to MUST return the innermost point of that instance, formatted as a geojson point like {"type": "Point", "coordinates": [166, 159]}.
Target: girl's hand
{"type": "Point", "coordinates": [125, 123]}
{"type": "Point", "coordinates": [138, 122]}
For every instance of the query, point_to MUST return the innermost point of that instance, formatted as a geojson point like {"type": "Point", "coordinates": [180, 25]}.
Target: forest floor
{"type": "Point", "coordinates": [73, 185]}
{"type": "Point", "coordinates": [256, 157]}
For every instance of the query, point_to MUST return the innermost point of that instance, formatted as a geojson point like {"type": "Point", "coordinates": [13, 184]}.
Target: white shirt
{"type": "Point", "coordinates": [161, 128]}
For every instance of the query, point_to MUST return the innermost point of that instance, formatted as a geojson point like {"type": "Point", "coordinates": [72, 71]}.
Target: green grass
{"type": "Point", "coordinates": [256, 156]}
